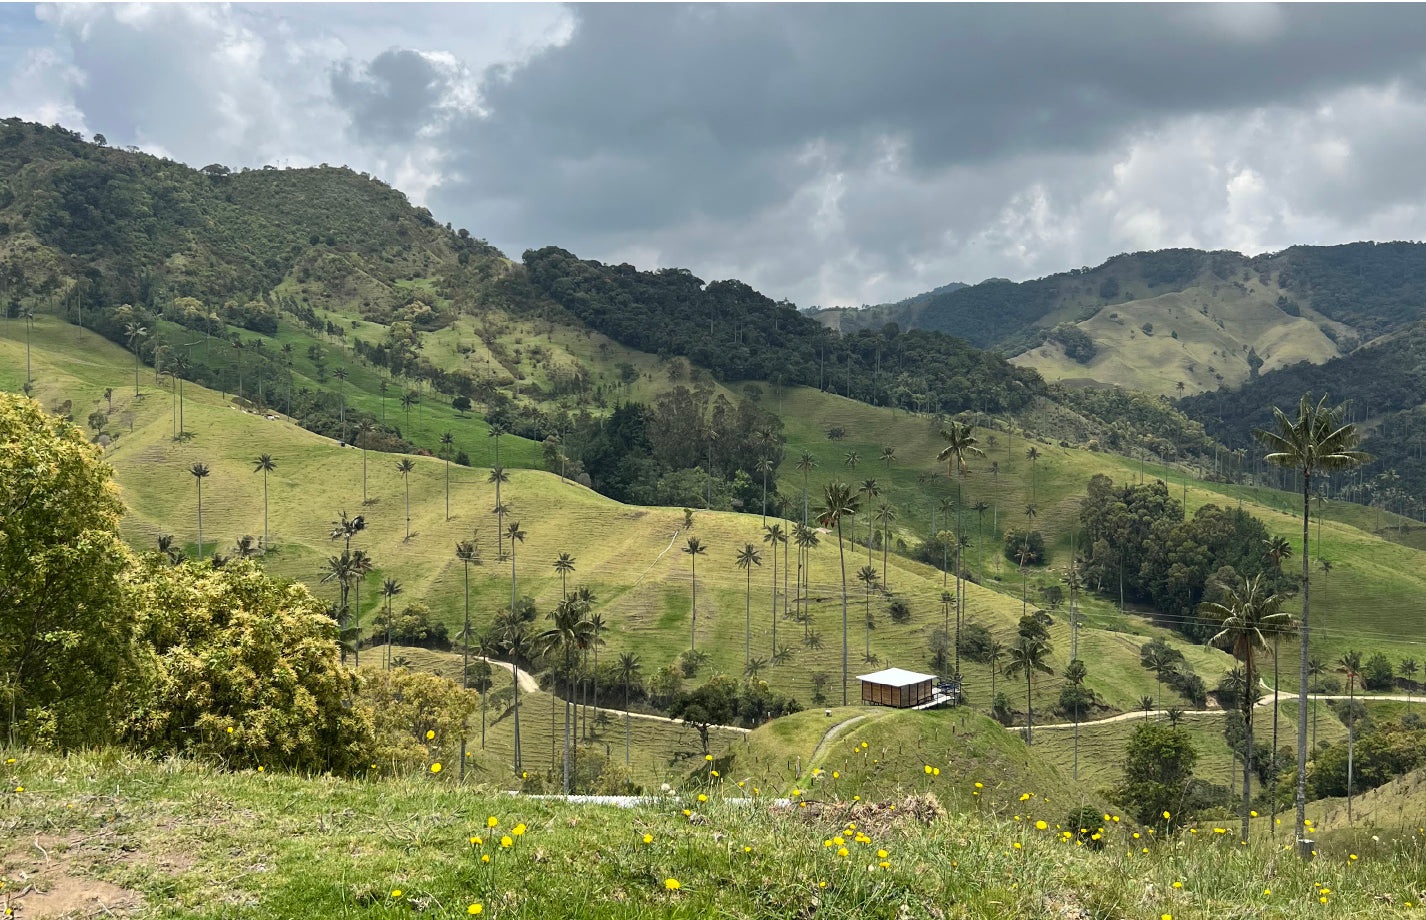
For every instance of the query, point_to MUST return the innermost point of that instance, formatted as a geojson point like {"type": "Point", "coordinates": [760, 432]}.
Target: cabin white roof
{"type": "Point", "coordinates": [896, 677]}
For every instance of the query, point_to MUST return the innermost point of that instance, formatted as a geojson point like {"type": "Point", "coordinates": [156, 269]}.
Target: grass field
{"type": "Point", "coordinates": [106, 833]}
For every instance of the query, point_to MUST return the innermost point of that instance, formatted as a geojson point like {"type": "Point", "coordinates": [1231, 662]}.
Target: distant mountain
{"type": "Point", "coordinates": [1152, 320]}
{"type": "Point", "coordinates": [850, 319]}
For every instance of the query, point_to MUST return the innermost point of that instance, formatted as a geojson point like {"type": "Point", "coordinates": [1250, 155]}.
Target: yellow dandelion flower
{"type": "Point", "coordinates": [1178, 884]}
{"type": "Point", "coordinates": [884, 864]}
{"type": "Point", "coordinates": [1025, 797]}
{"type": "Point", "coordinates": [476, 841]}
{"type": "Point", "coordinates": [824, 885]}
{"type": "Point", "coordinates": [880, 854]}
{"type": "Point", "coordinates": [648, 838]}
{"type": "Point", "coordinates": [715, 774]}
{"type": "Point", "coordinates": [518, 830]}
{"type": "Point", "coordinates": [1253, 814]}
{"type": "Point", "coordinates": [1323, 899]}
{"type": "Point", "coordinates": [740, 784]}
{"type": "Point", "coordinates": [506, 842]}
{"type": "Point", "coordinates": [935, 771]}
{"type": "Point", "coordinates": [1136, 835]}
{"type": "Point", "coordinates": [1353, 857]}
{"type": "Point", "coordinates": [838, 841]}
{"type": "Point", "coordinates": [1040, 826]}
{"type": "Point", "coordinates": [702, 797]}
{"type": "Point", "coordinates": [1166, 815]}
{"type": "Point", "coordinates": [979, 786]}
{"type": "Point", "coordinates": [475, 909]}
{"type": "Point", "coordinates": [856, 798]}
{"type": "Point", "coordinates": [492, 821]}
{"type": "Point", "coordinates": [435, 768]}
{"type": "Point", "coordinates": [396, 893]}
{"type": "Point", "coordinates": [430, 735]}
{"type": "Point", "coordinates": [835, 775]}
{"type": "Point", "coordinates": [1267, 891]}
{"type": "Point", "coordinates": [485, 858]}
{"type": "Point", "coordinates": [747, 849]}
{"type": "Point", "coordinates": [687, 813]}
{"type": "Point", "coordinates": [671, 884]}
{"type": "Point", "coordinates": [1017, 845]}
{"type": "Point", "coordinates": [708, 757]}
{"type": "Point", "coordinates": [259, 769]}
{"type": "Point", "coordinates": [841, 851]}
{"type": "Point", "coordinates": [230, 729]}
{"type": "Point", "coordinates": [928, 769]}
{"type": "Point", "coordinates": [796, 792]}
{"type": "Point", "coordinates": [1166, 917]}
{"type": "Point", "coordinates": [19, 788]}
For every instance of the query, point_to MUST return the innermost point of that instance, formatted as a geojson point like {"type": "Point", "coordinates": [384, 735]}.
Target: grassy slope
{"type": "Point", "coordinates": [294, 847]}
{"type": "Point", "coordinates": [1126, 356]}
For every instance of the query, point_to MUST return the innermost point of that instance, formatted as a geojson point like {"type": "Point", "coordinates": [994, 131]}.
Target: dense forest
{"type": "Point", "coordinates": [740, 334]}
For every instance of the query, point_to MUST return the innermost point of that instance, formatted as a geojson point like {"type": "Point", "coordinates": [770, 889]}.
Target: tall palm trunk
{"type": "Point", "coordinates": [264, 510]}
{"type": "Point", "coordinates": [1272, 818]}
{"type": "Point", "coordinates": [693, 629]}
{"type": "Point", "coordinates": [1249, 687]}
{"type": "Point", "coordinates": [774, 597]}
{"type": "Point", "coordinates": [464, 664]}
{"type": "Point", "coordinates": [200, 519]}
{"type": "Point", "coordinates": [626, 724]}
{"type": "Point", "coordinates": [568, 669]}
{"type": "Point", "coordinates": [515, 665]}
{"type": "Point", "coordinates": [1351, 739]}
{"type": "Point", "coordinates": [1301, 793]}
{"type": "Point", "coordinates": [1029, 711]}
{"type": "Point", "coordinates": [842, 555]}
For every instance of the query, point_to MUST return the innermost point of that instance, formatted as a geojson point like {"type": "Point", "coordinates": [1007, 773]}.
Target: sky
{"type": "Point", "coordinates": [831, 155]}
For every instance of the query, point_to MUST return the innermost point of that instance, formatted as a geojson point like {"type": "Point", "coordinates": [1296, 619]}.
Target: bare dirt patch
{"type": "Point", "coordinates": [67, 896]}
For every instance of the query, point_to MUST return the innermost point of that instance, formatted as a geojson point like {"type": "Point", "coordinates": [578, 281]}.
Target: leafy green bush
{"type": "Point", "coordinates": [238, 665]}
{"type": "Point", "coordinates": [418, 717]}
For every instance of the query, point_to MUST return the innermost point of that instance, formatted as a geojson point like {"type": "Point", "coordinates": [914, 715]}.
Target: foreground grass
{"type": "Point", "coordinates": [181, 839]}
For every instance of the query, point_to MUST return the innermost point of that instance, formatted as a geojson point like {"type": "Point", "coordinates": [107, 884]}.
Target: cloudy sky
{"type": "Point", "coordinates": [828, 154]}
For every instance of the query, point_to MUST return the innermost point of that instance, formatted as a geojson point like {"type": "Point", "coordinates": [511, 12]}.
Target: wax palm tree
{"type": "Point", "coordinates": [342, 569]}
{"type": "Point", "coordinates": [596, 626]}
{"type": "Point", "coordinates": [805, 464]}
{"type": "Point", "coordinates": [1248, 613]}
{"type": "Point", "coordinates": [264, 464]}
{"type": "Point", "coordinates": [885, 517]}
{"type": "Point", "coordinates": [448, 440]}
{"type": "Point", "coordinates": [868, 577]}
{"type": "Point", "coordinates": [838, 501]}
{"type": "Point", "coordinates": [1023, 556]}
{"type": "Point", "coordinates": [764, 466]}
{"type": "Point", "coordinates": [341, 374]}
{"type": "Point", "coordinates": [564, 564]}
{"type": "Point", "coordinates": [498, 476]}
{"type": "Point", "coordinates": [980, 508]}
{"type": "Point", "coordinates": [693, 549]}
{"type": "Point", "coordinates": [200, 472]}
{"type": "Point", "coordinates": [867, 490]}
{"type": "Point", "coordinates": [888, 455]}
{"type": "Point", "coordinates": [361, 566]}
{"type": "Point", "coordinates": [774, 535]}
{"type": "Point", "coordinates": [1033, 455]}
{"type": "Point", "coordinates": [1277, 631]}
{"type": "Point", "coordinates": [1407, 669]}
{"type": "Point", "coordinates": [468, 554]}
{"type": "Point", "coordinates": [850, 459]}
{"type": "Point", "coordinates": [807, 540]}
{"type": "Point", "coordinates": [134, 333]}
{"type": "Point", "coordinates": [1278, 549]}
{"type": "Point", "coordinates": [519, 643]}
{"type": "Point", "coordinates": [1162, 660]}
{"type": "Point", "coordinates": [569, 631]}
{"type": "Point", "coordinates": [960, 446]}
{"type": "Point", "coordinates": [1313, 442]}
{"type": "Point", "coordinates": [629, 667]}
{"type": "Point", "coordinates": [1350, 664]}
{"type": "Point", "coordinates": [514, 534]}
{"type": "Point", "coordinates": [389, 589]}
{"type": "Point", "coordinates": [409, 399]}
{"type": "Point", "coordinates": [405, 466]}
{"type": "Point", "coordinates": [1026, 656]}
{"type": "Point", "coordinates": [364, 431]}
{"type": "Point", "coordinates": [746, 558]}
{"type": "Point", "coordinates": [993, 653]}
{"type": "Point", "coordinates": [946, 505]}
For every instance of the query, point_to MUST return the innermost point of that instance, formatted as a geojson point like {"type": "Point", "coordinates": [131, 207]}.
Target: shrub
{"type": "Point", "coordinates": [412, 626]}
{"type": "Point", "coordinates": [899, 611]}
{"type": "Point", "coordinates": [1158, 766]}
{"type": "Point", "coordinates": [407, 705]}
{"type": "Point", "coordinates": [1377, 673]}
{"type": "Point", "coordinates": [238, 665]}
{"type": "Point", "coordinates": [975, 643]}
{"type": "Point", "coordinates": [1086, 824]}
{"type": "Point", "coordinates": [1033, 543]}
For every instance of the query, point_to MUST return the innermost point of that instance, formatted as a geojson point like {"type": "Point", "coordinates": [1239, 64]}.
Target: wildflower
{"type": "Point", "coordinates": [19, 788]}
{"type": "Point", "coordinates": [1166, 917]}
{"type": "Point", "coordinates": [1025, 797]}
{"type": "Point", "coordinates": [824, 885]}
{"type": "Point", "coordinates": [747, 849]}
{"type": "Point", "coordinates": [1267, 891]}
{"type": "Point", "coordinates": [1040, 825]}
{"type": "Point", "coordinates": [841, 851]}
{"type": "Point", "coordinates": [1017, 845]}
{"type": "Point", "coordinates": [1136, 835]}
{"type": "Point", "coordinates": [1253, 814]}
{"type": "Point", "coordinates": [928, 769]}
{"type": "Point", "coordinates": [648, 838]}
{"type": "Point", "coordinates": [430, 735]}
{"type": "Point", "coordinates": [435, 768]}
{"type": "Point", "coordinates": [702, 797]}
{"type": "Point", "coordinates": [230, 729]}
{"type": "Point", "coordinates": [856, 798]}
{"type": "Point", "coordinates": [475, 909]}
{"type": "Point", "coordinates": [492, 821]}
{"type": "Point", "coordinates": [979, 786]}
{"type": "Point", "coordinates": [880, 854]}
{"type": "Point", "coordinates": [1166, 816]}
{"type": "Point", "coordinates": [935, 771]}
{"type": "Point", "coordinates": [476, 841]}
{"type": "Point", "coordinates": [671, 884]}
{"type": "Point", "coordinates": [835, 775]}
{"type": "Point", "coordinates": [1178, 884]}
{"type": "Point", "coordinates": [518, 830]}
{"type": "Point", "coordinates": [485, 858]}
{"type": "Point", "coordinates": [1353, 857]}
{"type": "Point", "coordinates": [715, 774]}
{"type": "Point", "coordinates": [1323, 899]}
{"type": "Point", "coordinates": [259, 769]}
{"type": "Point", "coordinates": [506, 842]}
{"type": "Point", "coordinates": [1219, 830]}
{"type": "Point", "coordinates": [396, 893]}
{"type": "Point", "coordinates": [838, 841]}
{"type": "Point", "coordinates": [708, 757]}
{"type": "Point", "coordinates": [740, 784]}
{"type": "Point", "coordinates": [796, 792]}
{"type": "Point", "coordinates": [884, 864]}
{"type": "Point", "coordinates": [687, 813]}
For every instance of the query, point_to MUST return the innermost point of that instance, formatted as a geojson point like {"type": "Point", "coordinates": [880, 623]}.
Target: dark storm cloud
{"type": "Point", "coordinates": [652, 113]}
{"type": "Point", "coordinates": [391, 97]}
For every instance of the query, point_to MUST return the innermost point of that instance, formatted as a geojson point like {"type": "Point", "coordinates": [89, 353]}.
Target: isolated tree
{"type": "Point", "coordinates": [888, 455]}
{"type": "Point", "coordinates": [629, 673]}
{"type": "Point", "coordinates": [885, 517]}
{"type": "Point", "coordinates": [1407, 669]}
{"type": "Point", "coordinates": [447, 441]}
{"type": "Point", "coordinates": [764, 466]}
{"type": "Point", "coordinates": [514, 534]}
{"type": "Point", "coordinates": [807, 540]}
{"type": "Point", "coordinates": [405, 466]}
{"type": "Point", "coordinates": [264, 464]}
{"type": "Point", "coordinates": [838, 501]}
{"type": "Point", "coordinates": [341, 374]}
{"type": "Point", "coordinates": [389, 589]}
{"type": "Point", "coordinates": [1312, 442]}
{"type": "Point", "coordinates": [409, 399]}
{"type": "Point", "coordinates": [868, 490]}
{"type": "Point", "coordinates": [869, 578]}
{"type": "Point", "coordinates": [364, 431]}
{"type": "Point", "coordinates": [693, 549]}
{"type": "Point", "coordinates": [1247, 613]}
{"type": "Point", "coordinates": [1350, 664]}
{"type": "Point", "coordinates": [850, 459]}
{"type": "Point", "coordinates": [1026, 656]}
{"type": "Point", "coordinates": [134, 334]}
{"type": "Point", "coordinates": [806, 463]}
{"type": "Point", "coordinates": [1160, 658]}
{"type": "Point", "coordinates": [774, 535]}
{"type": "Point", "coordinates": [746, 559]}
{"type": "Point", "coordinates": [468, 554]}
{"type": "Point", "coordinates": [1033, 455]}
{"type": "Point", "coordinates": [497, 477]}
{"type": "Point", "coordinates": [960, 447]}
{"type": "Point", "coordinates": [495, 432]}
{"type": "Point", "coordinates": [564, 564]}
{"type": "Point", "coordinates": [200, 472]}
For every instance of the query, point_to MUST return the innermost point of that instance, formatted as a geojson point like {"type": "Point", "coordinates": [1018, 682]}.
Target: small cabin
{"type": "Point", "coordinates": [898, 688]}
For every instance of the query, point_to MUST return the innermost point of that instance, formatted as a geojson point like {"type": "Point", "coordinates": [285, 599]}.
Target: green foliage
{"type": "Point", "coordinates": [1158, 766]}
{"type": "Point", "coordinates": [1377, 672]}
{"type": "Point", "coordinates": [65, 619]}
{"type": "Point", "coordinates": [1076, 342]}
{"type": "Point", "coordinates": [231, 648]}
{"type": "Point", "coordinates": [406, 706]}
{"type": "Point", "coordinates": [976, 642]}
{"type": "Point", "coordinates": [1378, 757]}
{"type": "Point", "coordinates": [1025, 547]}
{"type": "Point", "coordinates": [413, 625]}
{"type": "Point", "coordinates": [1087, 826]}
{"type": "Point", "coordinates": [740, 334]}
